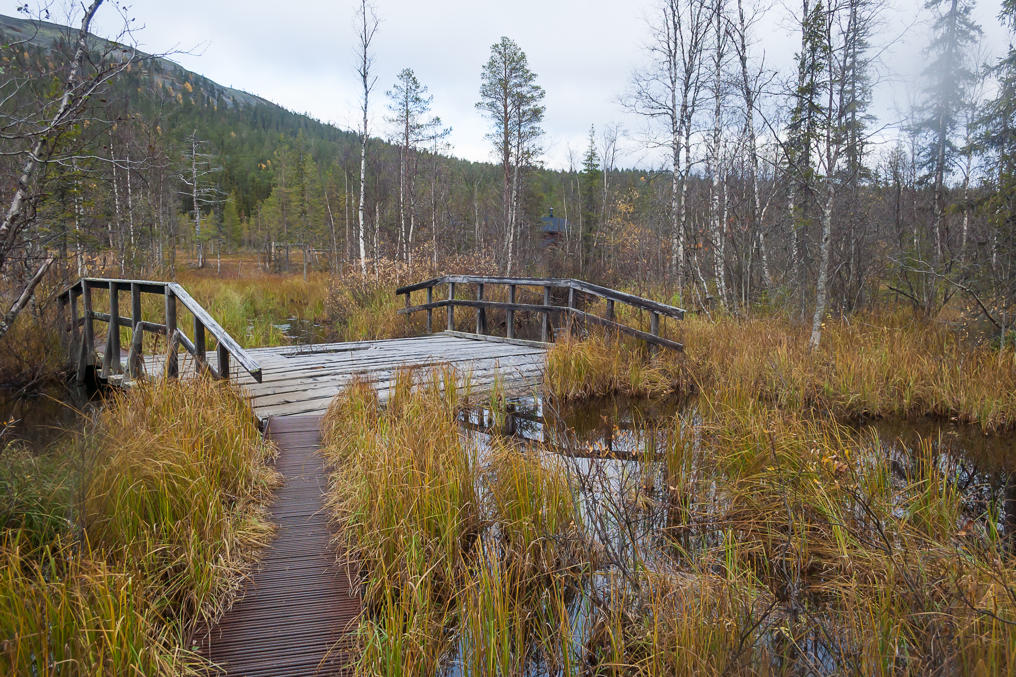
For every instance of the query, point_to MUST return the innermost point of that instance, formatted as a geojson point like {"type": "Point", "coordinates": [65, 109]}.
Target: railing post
{"type": "Point", "coordinates": [510, 314]}
{"type": "Point", "coordinates": [610, 309]}
{"type": "Point", "coordinates": [137, 335]}
{"type": "Point", "coordinates": [571, 308]}
{"type": "Point", "coordinates": [654, 329]}
{"type": "Point", "coordinates": [545, 327]}
{"type": "Point", "coordinates": [430, 311]}
{"type": "Point", "coordinates": [88, 331]}
{"type": "Point", "coordinates": [172, 360]}
{"type": "Point", "coordinates": [223, 357]}
{"type": "Point", "coordinates": [114, 330]}
{"type": "Point", "coordinates": [75, 335]}
{"type": "Point", "coordinates": [451, 307]}
{"type": "Point", "coordinates": [481, 312]}
{"type": "Point", "coordinates": [200, 352]}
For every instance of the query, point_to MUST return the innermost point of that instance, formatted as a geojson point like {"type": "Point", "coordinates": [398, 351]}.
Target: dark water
{"type": "Point", "coordinates": [41, 417]}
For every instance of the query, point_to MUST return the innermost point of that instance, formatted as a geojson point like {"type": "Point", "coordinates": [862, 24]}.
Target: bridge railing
{"type": "Point", "coordinates": [80, 329]}
{"type": "Point", "coordinates": [570, 312]}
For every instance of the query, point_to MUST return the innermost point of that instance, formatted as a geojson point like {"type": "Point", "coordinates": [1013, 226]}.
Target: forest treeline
{"type": "Point", "coordinates": [778, 188]}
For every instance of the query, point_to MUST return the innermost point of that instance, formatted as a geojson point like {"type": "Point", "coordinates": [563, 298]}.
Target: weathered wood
{"type": "Point", "coordinates": [481, 311]}
{"type": "Point", "coordinates": [490, 305]}
{"type": "Point", "coordinates": [571, 307]}
{"type": "Point", "coordinates": [451, 306]}
{"type": "Point", "coordinates": [88, 340]}
{"type": "Point", "coordinates": [545, 326]}
{"type": "Point", "coordinates": [199, 351]}
{"type": "Point", "coordinates": [222, 366]}
{"type": "Point", "coordinates": [578, 285]}
{"type": "Point", "coordinates": [172, 293]}
{"type": "Point", "coordinates": [134, 357]}
{"type": "Point", "coordinates": [172, 360]}
{"type": "Point", "coordinates": [610, 309]}
{"type": "Point", "coordinates": [113, 356]}
{"type": "Point", "coordinates": [510, 313]}
{"type": "Point", "coordinates": [645, 336]}
{"type": "Point", "coordinates": [430, 311]}
{"type": "Point", "coordinates": [220, 334]}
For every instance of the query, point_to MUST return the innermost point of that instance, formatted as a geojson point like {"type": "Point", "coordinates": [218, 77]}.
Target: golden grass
{"type": "Point", "coordinates": [123, 542]}
{"type": "Point", "coordinates": [866, 366]}
{"type": "Point", "coordinates": [414, 503]}
{"type": "Point", "coordinates": [784, 542]}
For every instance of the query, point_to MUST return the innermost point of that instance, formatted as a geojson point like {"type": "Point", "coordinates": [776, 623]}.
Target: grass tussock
{"type": "Point", "coordinates": [600, 365]}
{"type": "Point", "coordinates": [417, 506]}
{"type": "Point", "coordinates": [115, 548]}
{"type": "Point", "coordinates": [867, 366]}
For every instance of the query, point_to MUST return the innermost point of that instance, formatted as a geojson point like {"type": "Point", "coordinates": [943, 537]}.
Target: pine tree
{"type": "Point", "coordinates": [513, 101]}
{"type": "Point", "coordinates": [409, 104]}
{"type": "Point", "coordinates": [590, 184]}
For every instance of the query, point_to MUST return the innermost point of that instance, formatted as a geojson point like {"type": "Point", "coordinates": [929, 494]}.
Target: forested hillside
{"type": "Point", "coordinates": [774, 193]}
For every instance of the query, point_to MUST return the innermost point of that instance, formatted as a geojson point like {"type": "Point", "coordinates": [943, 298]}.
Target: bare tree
{"type": "Point", "coordinates": [199, 167]}
{"type": "Point", "coordinates": [38, 138]}
{"type": "Point", "coordinates": [367, 27]}
{"type": "Point", "coordinates": [667, 91]}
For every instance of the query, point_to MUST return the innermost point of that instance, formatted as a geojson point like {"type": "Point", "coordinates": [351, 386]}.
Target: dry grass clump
{"type": "Point", "coordinates": [118, 545]}
{"type": "Point", "coordinates": [886, 365]}
{"type": "Point", "coordinates": [601, 365]}
{"type": "Point", "coordinates": [417, 503]}
{"type": "Point", "coordinates": [867, 366]}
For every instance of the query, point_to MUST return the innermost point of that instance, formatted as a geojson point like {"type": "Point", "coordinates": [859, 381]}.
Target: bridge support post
{"type": "Point", "coordinates": [88, 331]}
{"type": "Point", "coordinates": [430, 311]}
{"type": "Point", "coordinates": [200, 351]}
{"type": "Point", "coordinates": [172, 361]}
{"type": "Point", "coordinates": [112, 361]}
{"type": "Point", "coordinates": [571, 307]}
{"type": "Point", "coordinates": [75, 333]}
{"type": "Point", "coordinates": [223, 357]}
{"type": "Point", "coordinates": [510, 314]}
{"type": "Point", "coordinates": [654, 329]}
{"type": "Point", "coordinates": [545, 327]}
{"type": "Point", "coordinates": [451, 307]}
{"type": "Point", "coordinates": [481, 312]}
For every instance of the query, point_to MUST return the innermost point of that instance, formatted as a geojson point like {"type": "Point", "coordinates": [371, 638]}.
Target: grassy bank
{"type": "Point", "coordinates": [866, 366]}
{"type": "Point", "coordinates": [115, 548]}
{"type": "Point", "coordinates": [752, 540]}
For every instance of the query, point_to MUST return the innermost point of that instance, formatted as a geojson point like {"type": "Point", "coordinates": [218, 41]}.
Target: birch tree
{"type": "Point", "coordinates": [367, 28]}
{"type": "Point", "coordinates": [38, 139]}
{"type": "Point", "coordinates": [667, 93]}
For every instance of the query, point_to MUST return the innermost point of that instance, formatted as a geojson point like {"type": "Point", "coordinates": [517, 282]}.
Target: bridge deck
{"type": "Point", "coordinates": [298, 609]}
{"type": "Point", "coordinates": [304, 379]}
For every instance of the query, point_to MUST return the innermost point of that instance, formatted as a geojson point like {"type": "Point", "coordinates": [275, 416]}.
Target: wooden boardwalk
{"type": "Point", "coordinates": [304, 379]}
{"type": "Point", "coordinates": [297, 609]}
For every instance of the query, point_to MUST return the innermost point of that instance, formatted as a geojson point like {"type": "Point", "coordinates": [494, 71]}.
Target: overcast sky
{"type": "Point", "coordinates": [301, 55]}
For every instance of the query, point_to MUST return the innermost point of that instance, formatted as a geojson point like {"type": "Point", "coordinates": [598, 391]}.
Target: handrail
{"type": "Point", "coordinates": [655, 308]}
{"type": "Point", "coordinates": [226, 346]}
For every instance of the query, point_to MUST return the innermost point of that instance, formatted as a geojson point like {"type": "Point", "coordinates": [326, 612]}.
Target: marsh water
{"type": "Point", "coordinates": [613, 451]}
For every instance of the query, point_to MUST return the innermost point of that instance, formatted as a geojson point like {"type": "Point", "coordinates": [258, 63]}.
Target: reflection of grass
{"type": "Point", "coordinates": [114, 548]}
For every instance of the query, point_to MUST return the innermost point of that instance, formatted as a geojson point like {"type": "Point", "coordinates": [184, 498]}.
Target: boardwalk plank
{"type": "Point", "coordinates": [299, 605]}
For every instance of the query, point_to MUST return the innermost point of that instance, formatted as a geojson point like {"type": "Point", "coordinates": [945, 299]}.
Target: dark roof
{"type": "Point", "coordinates": [553, 224]}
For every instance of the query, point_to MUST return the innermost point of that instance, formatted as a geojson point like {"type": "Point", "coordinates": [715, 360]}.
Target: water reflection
{"type": "Point", "coordinates": [40, 417]}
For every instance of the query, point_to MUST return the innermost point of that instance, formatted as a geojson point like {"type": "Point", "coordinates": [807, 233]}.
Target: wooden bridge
{"type": "Point", "coordinates": [298, 609]}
